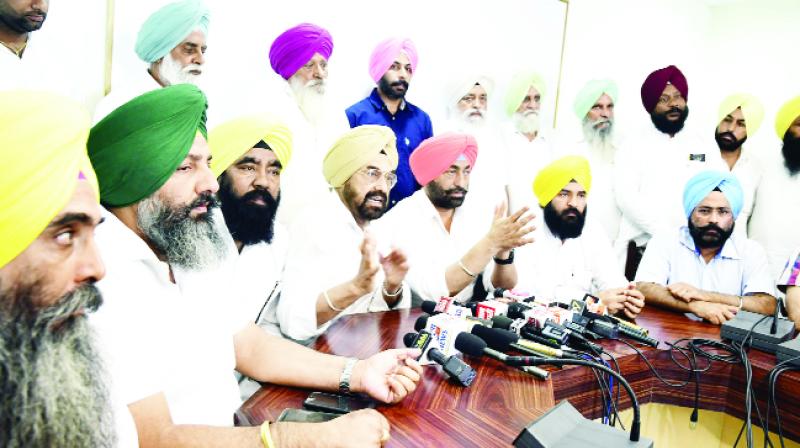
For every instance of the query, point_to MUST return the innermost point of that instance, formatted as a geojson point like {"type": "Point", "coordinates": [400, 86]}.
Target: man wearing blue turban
{"type": "Point", "coordinates": [704, 269]}
{"type": "Point", "coordinates": [172, 42]}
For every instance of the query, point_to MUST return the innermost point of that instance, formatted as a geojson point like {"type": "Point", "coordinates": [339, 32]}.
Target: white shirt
{"type": "Point", "coordinates": [740, 268]}
{"type": "Point", "coordinates": [35, 71]}
{"type": "Point", "coordinates": [775, 222]}
{"type": "Point", "coordinates": [324, 251]}
{"type": "Point", "coordinates": [651, 171]}
{"type": "Point", "coordinates": [526, 158]}
{"type": "Point", "coordinates": [141, 83]}
{"type": "Point", "coordinates": [158, 337]}
{"type": "Point", "coordinates": [556, 270]}
{"type": "Point", "coordinates": [415, 226]}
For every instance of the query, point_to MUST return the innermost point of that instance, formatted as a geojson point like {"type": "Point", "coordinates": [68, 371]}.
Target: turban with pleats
{"type": "Point", "coordinates": [296, 46]}
{"type": "Point", "coordinates": [554, 177]}
{"type": "Point", "coordinates": [654, 85]}
{"type": "Point", "coordinates": [436, 154]}
{"type": "Point", "coordinates": [355, 149]}
{"type": "Point", "coordinates": [518, 88]}
{"type": "Point", "coordinates": [231, 140]}
{"type": "Point", "coordinates": [169, 26]}
{"type": "Point", "coordinates": [786, 116]}
{"type": "Point", "coordinates": [751, 107]}
{"type": "Point", "coordinates": [592, 92]}
{"type": "Point", "coordinates": [704, 182]}
{"type": "Point", "coordinates": [386, 52]}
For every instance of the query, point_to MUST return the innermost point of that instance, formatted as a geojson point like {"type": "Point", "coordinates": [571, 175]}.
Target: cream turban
{"type": "Point", "coordinates": [752, 110]}
{"type": "Point", "coordinates": [354, 149]}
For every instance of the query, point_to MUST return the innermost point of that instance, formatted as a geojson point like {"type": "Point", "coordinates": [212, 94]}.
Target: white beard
{"type": "Point", "coordinates": [171, 72]}
{"type": "Point", "coordinates": [310, 97]}
{"type": "Point", "coordinates": [469, 122]}
{"type": "Point", "coordinates": [600, 141]}
{"type": "Point", "coordinates": [526, 122]}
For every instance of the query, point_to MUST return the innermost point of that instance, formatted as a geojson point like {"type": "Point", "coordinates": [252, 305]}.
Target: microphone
{"type": "Point", "coordinates": [455, 368]}
{"type": "Point", "coordinates": [498, 341]}
{"type": "Point", "coordinates": [445, 305]}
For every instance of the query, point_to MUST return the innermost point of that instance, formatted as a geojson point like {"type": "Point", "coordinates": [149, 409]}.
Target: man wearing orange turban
{"type": "Point", "coordinates": [446, 237]}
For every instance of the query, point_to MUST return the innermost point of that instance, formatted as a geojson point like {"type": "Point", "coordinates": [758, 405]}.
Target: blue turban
{"type": "Point", "coordinates": [705, 182]}
{"type": "Point", "coordinates": [168, 27]}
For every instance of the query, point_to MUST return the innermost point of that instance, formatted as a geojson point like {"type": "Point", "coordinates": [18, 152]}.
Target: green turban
{"type": "Point", "coordinates": [591, 92]}
{"type": "Point", "coordinates": [752, 110]}
{"type": "Point", "coordinates": [168, 27]}
{"type": "Point", "coordinates": [355, 149]}
{"type": "Point", "coordinates": [137, 147]}
{"type": "Point", "coordinates": [518, 88]}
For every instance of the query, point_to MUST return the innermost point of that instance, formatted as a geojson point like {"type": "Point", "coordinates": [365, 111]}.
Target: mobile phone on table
{"type": "Point", "coordinates": [340, 404]}
{"type": "Point", "coordinates": [305, 416]}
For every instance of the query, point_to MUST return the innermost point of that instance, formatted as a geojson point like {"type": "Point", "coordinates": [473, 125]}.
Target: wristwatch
{"type": "Point", "coordinates": [508, 260]}
{"type": "Point", "coordinates": [344, 379]}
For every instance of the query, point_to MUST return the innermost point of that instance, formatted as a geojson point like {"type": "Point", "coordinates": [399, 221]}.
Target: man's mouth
{"type": "Point", "coordinates": [378, 201]}
{"type": "Point", "coordinates": [38, 18]}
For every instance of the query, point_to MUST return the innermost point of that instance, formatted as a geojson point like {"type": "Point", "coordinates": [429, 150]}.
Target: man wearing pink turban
{"type": "Point", "coordinates": [651, 166]}
{"type": "Point", "coordinates": [391, 66]}
{"type": "Point", "coordinates": [450, 243]}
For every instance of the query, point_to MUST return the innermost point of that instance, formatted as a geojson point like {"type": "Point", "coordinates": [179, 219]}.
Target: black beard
{"type": "Point", "coordinates": [387, 88]}
{"type": "Point", "coordinates": [726, 146]}
{"type": "Point", "coordinates": [248, 223]}
{"type": "Point", "coordinates": [704, 243]}
{"type": "Point", "coordinates": [21, 25]}
{"type": "Point", "coordinates": [791, 153]}
{"type": "Point", "coordinates": [365, 212]}
{"type": "Point", "coordinates": [666, 126]}
{"type": "Point", "coordinates": [441, 198]}
{"type": "Point", "coordinates": [561, 227]}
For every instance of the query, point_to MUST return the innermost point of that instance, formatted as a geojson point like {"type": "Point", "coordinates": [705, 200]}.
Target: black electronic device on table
{"type": "Point", "coordinates": [339, 404]}
{"type": "Point", "coordinates": [305, 416]}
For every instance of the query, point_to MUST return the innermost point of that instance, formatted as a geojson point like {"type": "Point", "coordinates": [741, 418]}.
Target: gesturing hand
{"type": "Point", "coordinates": [388, 376]}
{"type": "Point", "coordinates": [366, 281]}
{"type": "Point", "coordinates": [509, 232]}
{"type": "Point", "coordinates": [395, 268]}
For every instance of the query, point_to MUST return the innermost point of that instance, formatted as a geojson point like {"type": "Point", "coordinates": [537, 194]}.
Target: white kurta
{"type": "Point", "coordinates": [158, 337]}
{"type": "Point", "coordinates": [141, 83]}
{"type": "Point", "coordinates": [324, 251]}
{"type": "Point", "coordinates": [775, 222]}
{"type": "Point", "coordinates": [555, 270]}
{"type": "Point", "coordinates": [415, 226]}
{"type": "Point", "coordinates": [525, 159]}
{"type": "Point", "coordinates": [651, 171]}
{"type": "Point", "coordinates": [34, 71]}
{"type": "Point", "coordinates": [748, 169]}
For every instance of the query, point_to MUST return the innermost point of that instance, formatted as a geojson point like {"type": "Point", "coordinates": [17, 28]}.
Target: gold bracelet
{"type": "Point", "coordinates": [266, 437]}
{"type": "Point", "coordinates": [464, 268]}
{"type": "Point", "coordinates": [330, 304]}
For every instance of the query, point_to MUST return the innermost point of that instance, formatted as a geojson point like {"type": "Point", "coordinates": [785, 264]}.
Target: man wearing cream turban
{"type": "Point", "coordinates": [391, 66]}
{"type": "Point", "coordinates": [653, 164]}
{"type": "Point", "coordinates": [703, 268]}
{"type": "Point", "coordinates": [450, 241]}
{"type": "Point", "coordinates": [172, 42]}
{"type": "Point", "coordinates": [173, 327]}
{"type": "Point", "coordinates": [572, 257]}
{"type": "Point", "coordinates": [776, 207]}
{"type": "Point", "coordinates": [48, 267]}
{"type": "Point", "coordinates": [355, 271]}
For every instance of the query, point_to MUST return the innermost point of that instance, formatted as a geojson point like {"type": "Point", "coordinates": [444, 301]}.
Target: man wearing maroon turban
{"type": "Point", "coordinates": [651, 167]}
{"type": "Point", "coordinates": [450, 242]}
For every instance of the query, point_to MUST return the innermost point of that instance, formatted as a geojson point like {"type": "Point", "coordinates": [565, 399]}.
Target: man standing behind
{"type": "Point", "coordinates": [392, 65]}
{"type": "Point", "coordinates": [18, 19]}
{"type": "Point", "coordinates": [776, 208]}
{"type": "Point", "coordinates": [704, 268]}
{"type": "Point", "coordinates": [172, 42]}
{"type": "Point", "coordinates": [334, 241]}
{"type": "Point", "coordinates": [652, 166]}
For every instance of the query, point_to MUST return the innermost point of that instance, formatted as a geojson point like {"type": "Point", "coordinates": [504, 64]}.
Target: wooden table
{"type": "Point", "coordinates": [502, 401]}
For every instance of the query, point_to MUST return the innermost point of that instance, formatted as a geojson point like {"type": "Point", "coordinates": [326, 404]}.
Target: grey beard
{"type": "Point", "coordinates": [188, 243]}
{"type": "Point", "coordinates": [601, 140]}
{"type": "Point", "coordinates": [52, 390]}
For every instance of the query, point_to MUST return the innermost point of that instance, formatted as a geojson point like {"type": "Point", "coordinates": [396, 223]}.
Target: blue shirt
{"type": "Point", "coordinates": [410, 124]}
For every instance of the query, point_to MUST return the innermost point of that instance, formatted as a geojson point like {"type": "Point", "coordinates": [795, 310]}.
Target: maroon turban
{"type": "Point", "coordinates": [655, 83]}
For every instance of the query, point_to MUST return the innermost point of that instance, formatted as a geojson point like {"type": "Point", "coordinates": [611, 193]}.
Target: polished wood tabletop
{"type": "Point", "coordinates": [502, 401]}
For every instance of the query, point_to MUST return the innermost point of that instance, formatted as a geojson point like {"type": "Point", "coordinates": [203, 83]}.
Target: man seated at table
{"type": "Point", "coordinates": [789, 284]}
{"type": "Point", "coordinates": [449, 245]}
{"type": "Point", "coordinates": [172, 341]}
{"type": "Point", "coordinates": [53, 390]}
{"type": "Point", "coordinates": [569, 259]}
{"type": "Point", "coordinates": [333, 240]}
{"type": "Point", "coordinates": [704, 268]}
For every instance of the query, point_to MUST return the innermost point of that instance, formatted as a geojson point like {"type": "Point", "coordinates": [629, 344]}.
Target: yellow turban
{"type": "Point", "coordinates": [355, 149]}
{"type": "Point", "coordinates": [554, 177]}
{"type": "Point", "coordinates": [786, 116]}
{"type": "Point", "coordinates": [518, 89]}
{"type": "Point", "coordinates": [231, 140]}
{"type": "Point", "coordinates": [42, 155]}
{"type": "Point", "coordinates": [751, 107]}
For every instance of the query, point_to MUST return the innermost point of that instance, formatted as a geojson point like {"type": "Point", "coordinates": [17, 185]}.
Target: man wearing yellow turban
{"type": "Point", "coordinates": [48, 267]}
{"type": "Point", "coordinates": [354, 271]}
{"type": "Point", "coordinates": [776, 208]}
{"type": "Point", "coordinates": [450, 239]}
{"type": "Point", "coordinates": [571, 256]}
{"type": "Point", "coordinates": [172, 328]}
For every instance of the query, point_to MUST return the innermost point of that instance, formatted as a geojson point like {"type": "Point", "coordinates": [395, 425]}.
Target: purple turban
{"type": "Point", "coordinates": [655, 83]}
{"type": "Point", "coordinates": [384, 55]}
{"type": "Point", "coordinates": [296, 46]}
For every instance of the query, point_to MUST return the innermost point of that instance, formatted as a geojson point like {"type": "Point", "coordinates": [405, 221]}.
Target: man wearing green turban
{"type": "Point", "coordinates": [172, 42]}
{"type": "Point", "coordinates": [172, 328]}
{"type": "Point", "coordinates": [776, 207]}
{"type": "Point", "coordinates": [353, 273]}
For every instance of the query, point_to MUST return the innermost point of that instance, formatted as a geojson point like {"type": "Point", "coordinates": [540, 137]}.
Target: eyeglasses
{"type": "Point", "coordinates": [375, 175]}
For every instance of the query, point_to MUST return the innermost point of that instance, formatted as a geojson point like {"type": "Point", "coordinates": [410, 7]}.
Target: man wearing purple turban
{"type": "Point", "coordinates": [653, 164]}
{"type": "Point", "coordinates": [392, 66]}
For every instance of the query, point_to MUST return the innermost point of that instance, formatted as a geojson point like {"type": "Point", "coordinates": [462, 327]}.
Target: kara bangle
{"type": "Point", "coordinates": [328, 301]}
{"type": "Point", "coordinates": [466, 271]}
{"type": "Point", "coordinates": [741, 302]}
{"type": "Point", "coordinates": [347, 372]}
{"type": "Point", "coordinates": [394, 294]}
{"type": "Point", "coordinates": [266, 437]}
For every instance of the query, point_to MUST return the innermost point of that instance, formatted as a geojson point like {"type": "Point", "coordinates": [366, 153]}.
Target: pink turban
{"type": "Point", "coordinates": [655, 83]}
{"type": "Point", "coordinates": [436, 154]}
{"type": "Point", "coordinates": [385, 54]}
{"type": "Point", "coordinates": [296, 46]}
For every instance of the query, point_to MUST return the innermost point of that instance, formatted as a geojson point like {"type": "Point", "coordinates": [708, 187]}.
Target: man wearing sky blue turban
{"type": "Point", "coordinates": [704, 269]}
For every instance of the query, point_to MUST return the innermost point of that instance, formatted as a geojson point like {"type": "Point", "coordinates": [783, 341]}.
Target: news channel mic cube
{"type": "Point", "coordinates": [444, 328]}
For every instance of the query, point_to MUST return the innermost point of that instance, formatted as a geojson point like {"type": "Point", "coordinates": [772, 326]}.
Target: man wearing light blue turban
{"type": "Point", "coordinates": [704, 269]}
